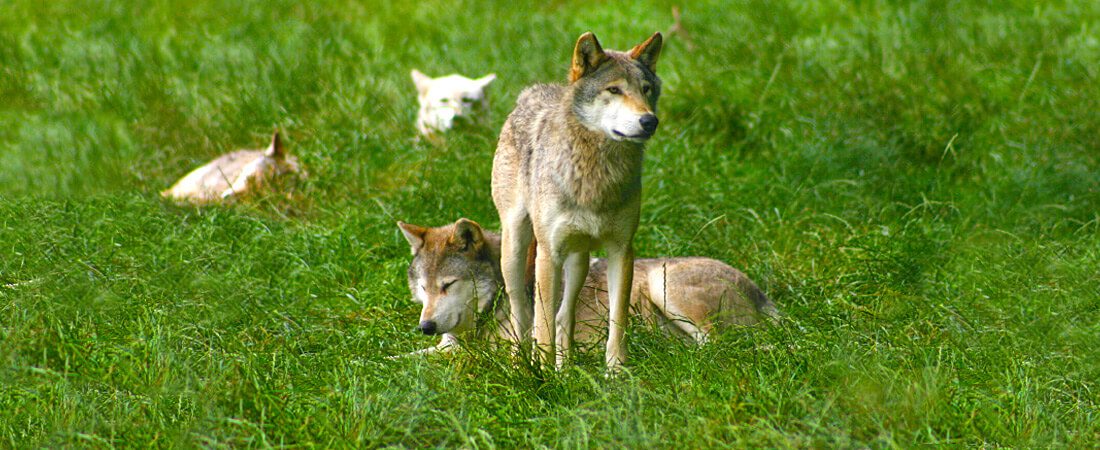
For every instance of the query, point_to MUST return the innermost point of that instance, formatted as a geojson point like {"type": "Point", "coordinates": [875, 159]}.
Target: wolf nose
{"type": "Point", "coordinates": [649, 123]}
{"type": "Point", "coordinates": [427, 327]}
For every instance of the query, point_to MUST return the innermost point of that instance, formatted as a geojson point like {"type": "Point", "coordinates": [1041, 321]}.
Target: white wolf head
{"type": "Point", "coordinates": [444, 99]}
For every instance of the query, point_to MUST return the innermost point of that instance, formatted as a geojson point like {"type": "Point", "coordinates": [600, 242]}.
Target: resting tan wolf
{"type": "Point", "coordinates": [234, 174]}
{"type": "Point", "coordinates": [455, 274]}
{"type": "Point", "coordinates": [568, 174]}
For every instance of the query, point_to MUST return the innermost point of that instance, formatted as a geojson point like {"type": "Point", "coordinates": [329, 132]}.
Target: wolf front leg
{"type": "Point", "coordinates": [620, 277]}
{"type": "Point", "coordinates": [574, 272]}
{"type": "Point", "coordinates": [446, 344]}
{"type": "Point", "coordinates": [548, 290]}
{"type": "Point", "coordinates": [515, 238]}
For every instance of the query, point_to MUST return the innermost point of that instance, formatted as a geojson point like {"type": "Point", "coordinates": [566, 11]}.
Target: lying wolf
{"type": "Point", "coordinates": [455, 273]}
{"type": "Point", "coordinates": [234, 174]}
{"type": "Point", "coordinates": [446, 99]}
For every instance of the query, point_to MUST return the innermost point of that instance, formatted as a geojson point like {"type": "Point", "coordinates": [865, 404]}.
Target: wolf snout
{"type": "Point", "coordinates": [427, 327]}
{"type": "Point", "coordinates": [649, 123]}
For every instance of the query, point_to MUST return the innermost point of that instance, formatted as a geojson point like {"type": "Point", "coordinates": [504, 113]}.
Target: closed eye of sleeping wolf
{"type": "Point", "coordinates": [568, 174]}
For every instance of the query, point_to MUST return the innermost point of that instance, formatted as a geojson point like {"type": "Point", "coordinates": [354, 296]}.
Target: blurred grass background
{"type": "Point", "coordinates": [915, 183]}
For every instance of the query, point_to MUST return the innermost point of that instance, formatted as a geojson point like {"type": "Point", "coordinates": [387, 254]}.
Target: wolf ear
{"type": "Point", "coordinates": [647, 52]}
{"type": "Point", "coordinates": [485, 80]}
{"type": "Point", "coordinates": [467, 234]}
{"type": "Point", "coordinates": [414, 234]}
{"type": "Point", "coordinates": [422, 82]}
{"type": "Point", "coordinates": [587, 56]}
{"type": "Point", "coordinates": [275, 150]}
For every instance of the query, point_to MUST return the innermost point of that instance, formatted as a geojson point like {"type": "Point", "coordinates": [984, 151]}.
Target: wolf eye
{"type": "Point", "coordinates": [646, 89]}
{"type": "Point", "coordinates": [615, 90]}
{"type": "Point", "coordinates": [447, 285]}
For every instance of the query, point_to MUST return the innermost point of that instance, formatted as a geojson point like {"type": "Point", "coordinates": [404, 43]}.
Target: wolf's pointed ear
{"type": "Point", "coordinates": [647, 52]}
{"type": "Point", "coordinates": [587, 56]}
{"type": "Point", "coordinates": [467, 234]}
{"type": "Point", "coordinates": [422, 82]}
{"type": "Point", "coordinates": [414, 234]}
{"type": "Point", "coordinates": [275, 150]}
{"type": "Point", "coordinates": [485, 80]}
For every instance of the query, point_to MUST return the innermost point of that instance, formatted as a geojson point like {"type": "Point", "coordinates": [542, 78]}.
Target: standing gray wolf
{"type": "Point", "coordinates": [455, 274]}
{"type": "Point", "coordinates": [568, 174]}
{"type": "Point", "coordinates": [444, 99]}
{"type": "Point", "coordinates": [234, 174]}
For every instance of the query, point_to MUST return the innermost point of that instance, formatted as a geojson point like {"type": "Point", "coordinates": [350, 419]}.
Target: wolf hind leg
{"type": "Point", "coordinates": [669, 299]}
{"type": "Point", "coordinates": [516, 236]}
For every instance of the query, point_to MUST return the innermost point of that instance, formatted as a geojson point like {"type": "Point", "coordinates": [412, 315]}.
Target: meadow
{"type": "Point", "coordinates": [916, 184]}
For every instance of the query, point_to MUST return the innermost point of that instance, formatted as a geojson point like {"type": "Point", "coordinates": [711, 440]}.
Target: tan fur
{"type": "Point", "coordinates": [636, 104]}
{"type": "Point", "coordinates": [234, 174]}
{"type": "Point", "coordinates": [688, 297]}
{"type": "Point", "coordinates": [565, 176]}
{"type": "Point", "coordinates": [585, 56]}
{"type": "Point", "coordinates": [692, 296]}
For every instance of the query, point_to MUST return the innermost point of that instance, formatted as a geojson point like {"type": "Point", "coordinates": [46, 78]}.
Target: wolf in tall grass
{"type": "Point", "coordinates": [455, 274]}
{"type": "Point", "coordinates": [568, 174]}
{"type": "Point", "coordinates": [235, 174]}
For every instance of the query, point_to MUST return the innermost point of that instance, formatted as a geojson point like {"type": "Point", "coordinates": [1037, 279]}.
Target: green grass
{"type": "Point", "coordinates": [915, 183]}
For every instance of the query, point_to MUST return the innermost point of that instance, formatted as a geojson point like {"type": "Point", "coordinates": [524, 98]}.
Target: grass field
{"type": "Point", "coordinates": [915, 183]}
